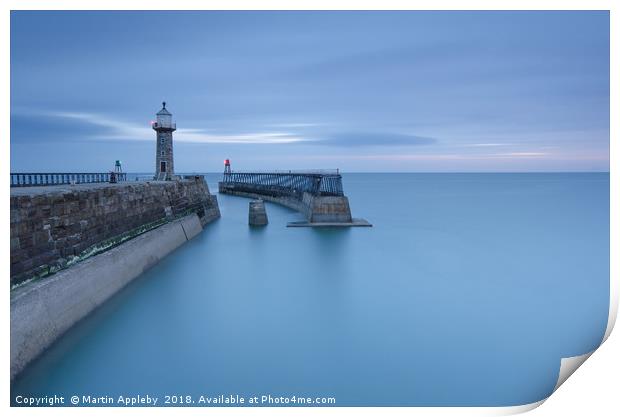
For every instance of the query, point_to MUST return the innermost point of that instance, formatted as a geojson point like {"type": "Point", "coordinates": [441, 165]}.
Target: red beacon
{"type": "Point", "coordinates": [226, 166]}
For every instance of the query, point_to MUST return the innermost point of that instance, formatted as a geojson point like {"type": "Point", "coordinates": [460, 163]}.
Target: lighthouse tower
{"type": "Point", "coordinates": [164, 163]}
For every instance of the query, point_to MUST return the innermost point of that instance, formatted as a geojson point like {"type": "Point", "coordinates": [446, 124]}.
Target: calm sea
{"type": "Point", "coordinates": [467, 291]}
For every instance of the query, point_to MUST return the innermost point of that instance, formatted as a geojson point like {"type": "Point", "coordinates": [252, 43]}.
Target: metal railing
{"type": "Point", "coordinates": [327, 171]}
{"type": "Point", "coordinates": [286, 183]}
{"type": "Point", "coordinates": [31, 179]}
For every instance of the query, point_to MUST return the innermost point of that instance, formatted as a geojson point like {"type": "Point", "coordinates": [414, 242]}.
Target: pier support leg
{"type": "Point", "coordinates": [257, 215]}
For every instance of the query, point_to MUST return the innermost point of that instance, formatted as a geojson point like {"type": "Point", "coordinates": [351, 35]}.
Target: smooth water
{"type": "Point", "coordinates": [467, 291]}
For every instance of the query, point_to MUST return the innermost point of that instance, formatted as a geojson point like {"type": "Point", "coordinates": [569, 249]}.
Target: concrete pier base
{"type": "Point", "coordinates": [327, 209]}
{"type": "Point", "coordinates": [352, 223]}
{"type": "Point", "coordinates": [257, 215]}
{"type": "Point", "coordinates": [320, 211]}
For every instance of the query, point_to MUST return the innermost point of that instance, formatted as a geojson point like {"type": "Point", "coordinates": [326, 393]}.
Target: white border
{"type": "Point", "coordinates": [596, 388]}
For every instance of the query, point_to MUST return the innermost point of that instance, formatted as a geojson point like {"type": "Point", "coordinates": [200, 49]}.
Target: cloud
{"type": "Point", "coordinates": [520, 154]}
{"type": "Point", "coordinates": [477, 145]}
{"type": "Point", "coordinates": [436, 157]}
{"type": "Point", "coordinates": [358, 139]}
{"type": "Point", "coordinates": [295, 125]}
{"type": "Point", "coordinates": [103, 127]}
{"type": "Point", "coordinates": [113, 129]}
{"type": "Point", "coordinates": [200, 136]}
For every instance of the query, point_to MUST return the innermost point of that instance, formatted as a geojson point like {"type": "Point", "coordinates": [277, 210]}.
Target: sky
{"type": "Point", "coordinates": [416, 91]}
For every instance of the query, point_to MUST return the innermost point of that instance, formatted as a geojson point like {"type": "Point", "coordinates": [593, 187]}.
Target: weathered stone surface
{"type": "Point", "coordinates": [330, 209]}
{"type": "Point", "coordinates": [59, 222]}
{"type": "Point", "coordinates": [257, 215]}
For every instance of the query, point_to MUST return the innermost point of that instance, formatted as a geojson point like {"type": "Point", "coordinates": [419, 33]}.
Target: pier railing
{"type": "Point", "coordinates": [327, 183]}
{"type": "Point", "coordinates": [38, 179]}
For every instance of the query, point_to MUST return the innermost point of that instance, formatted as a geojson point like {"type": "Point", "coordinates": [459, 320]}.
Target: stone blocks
{"type": "Point", "coordinates": [54, 225]}
{"type": "Point", "coordinates": [257, 214]}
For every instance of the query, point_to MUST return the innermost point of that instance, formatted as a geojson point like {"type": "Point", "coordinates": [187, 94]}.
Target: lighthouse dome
{"type": "Point", "coordinates": [164, 117]}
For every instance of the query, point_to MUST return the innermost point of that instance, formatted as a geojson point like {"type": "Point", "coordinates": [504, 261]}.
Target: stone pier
{"type": "Point", "coordinates": [74, 246]}
{"type": "Point", "coordinates": [53, 227]}
{"type": "Point", "coordinates": [318, 196]}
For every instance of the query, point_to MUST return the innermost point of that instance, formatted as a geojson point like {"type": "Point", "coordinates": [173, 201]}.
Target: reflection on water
{"type": "Point", "coordinates": [465, 292]}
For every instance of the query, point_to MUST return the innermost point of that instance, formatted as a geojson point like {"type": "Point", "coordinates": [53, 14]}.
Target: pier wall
{"type": "Point", "coordinates": [316, 209]}
{"type": "Point", "coordinates": [326, 209]}
{"type": "Point", "coordinates": [42, 310]}
{"type": "Point", "coordinates": [57, 226]}
{"type": "Point", "coordinates": [289, 202]}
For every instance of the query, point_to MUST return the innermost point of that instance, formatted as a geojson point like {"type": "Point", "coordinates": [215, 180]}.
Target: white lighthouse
{"type": "Point", "coordinates": [164, 162]}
